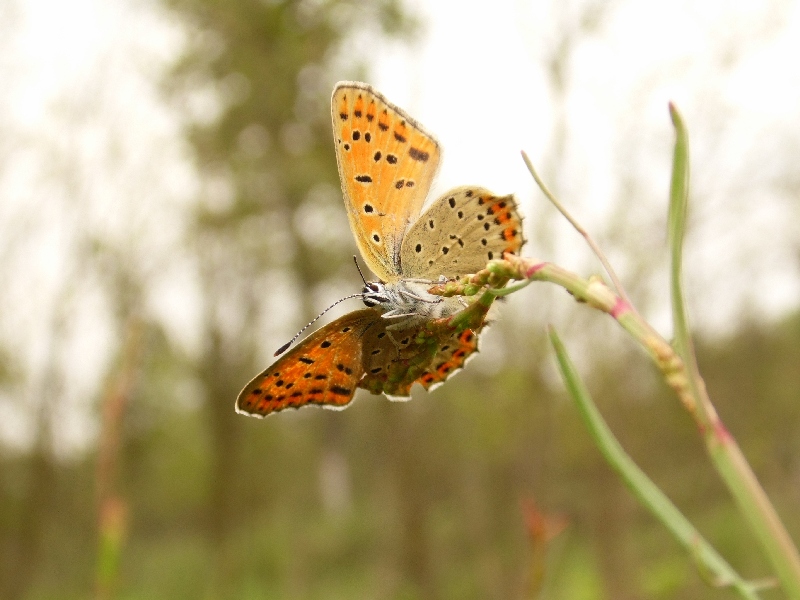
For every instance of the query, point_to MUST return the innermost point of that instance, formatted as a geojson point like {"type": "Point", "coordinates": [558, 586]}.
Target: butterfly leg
{"type": "Point", "coordinates": [441, 279]}
{"type": "Point", "coordinates": [420, 298]}
{"type": "Point", "coordinates": [397, 313]}
{"type": "Point", "coordinates": [399, 327]}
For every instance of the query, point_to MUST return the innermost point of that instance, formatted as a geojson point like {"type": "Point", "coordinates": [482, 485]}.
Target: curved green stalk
{"type": "Point", "coordinates": [722, 447]}
{"type": "Point", "coordinates": [676, 362]}
{"type": "Point", "coordinates": [642, 486]}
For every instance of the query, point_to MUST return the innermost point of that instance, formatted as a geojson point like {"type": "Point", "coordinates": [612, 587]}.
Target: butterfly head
{"type": "Point", "coordinates": [374, 294]}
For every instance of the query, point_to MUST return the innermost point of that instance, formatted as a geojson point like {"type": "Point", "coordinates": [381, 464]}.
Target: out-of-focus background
{"type": "Point", "coordinates": [170, 214]}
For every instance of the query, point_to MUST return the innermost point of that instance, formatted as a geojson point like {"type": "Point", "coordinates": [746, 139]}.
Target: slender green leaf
{"type": "Point", "coordinates": [642, 486]}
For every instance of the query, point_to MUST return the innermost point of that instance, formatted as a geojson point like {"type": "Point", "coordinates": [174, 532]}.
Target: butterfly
{"type": "Point", "coordinates": [387, 162]}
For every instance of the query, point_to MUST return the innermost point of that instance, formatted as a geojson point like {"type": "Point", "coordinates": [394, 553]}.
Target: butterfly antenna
{"type": "Point", "coordinates": [355, 260]}
{"type": "Point", "coordinates": [285, 347]}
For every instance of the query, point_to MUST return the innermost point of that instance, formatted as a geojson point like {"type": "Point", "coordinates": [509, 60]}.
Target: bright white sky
{"type": "Point", "coordinates": [80, 74]}
{"type": "Point", "coordinates": [731, 67]}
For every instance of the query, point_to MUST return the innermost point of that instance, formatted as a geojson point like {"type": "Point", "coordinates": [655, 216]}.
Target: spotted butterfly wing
{"type": "Point", "coordinates": [460, 233]}
{"type": "Point", "coordinates": [413, 353]}
{"type": "Point", "coordinates": [387, 162]}
{"type": "Point", "coordinates": [395, 355]}
{"type": "Point", "coordinates": [360, 349]}
{"type": "Point", "coordinates": [323, 369]}
{"type": "Point", "coordinates": [451, 356]}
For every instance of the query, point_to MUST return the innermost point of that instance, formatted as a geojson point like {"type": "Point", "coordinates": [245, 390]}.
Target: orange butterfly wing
{"type": "Point", "coordinates": [324, 369]}
{"type": "Point", "coordinates": [386, 165]}
{"type": "Point", "coordinates": [450, 358]}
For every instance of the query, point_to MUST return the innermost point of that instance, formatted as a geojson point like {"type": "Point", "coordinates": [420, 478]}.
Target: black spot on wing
{"type": "Point", "coordinates": [418, 154]}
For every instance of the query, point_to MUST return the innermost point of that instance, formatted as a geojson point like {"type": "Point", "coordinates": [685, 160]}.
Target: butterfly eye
{"type": "Point", "coordinates": [374, 294]}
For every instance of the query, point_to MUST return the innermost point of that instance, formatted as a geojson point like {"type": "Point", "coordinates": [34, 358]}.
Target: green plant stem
{"type": "Point", "coordinates": [722, 447]}
{"type": "Point", "coordinates": [641, 486]}
{"type": "Point", "coordinates": [677, 364]}
{"type": "Point", "coordinates": [725, 453]}
{"type": "Point", "coordinates": [578, 227]}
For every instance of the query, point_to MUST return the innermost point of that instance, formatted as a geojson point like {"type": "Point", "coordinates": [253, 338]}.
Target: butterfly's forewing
{"type": "Point", "coordinates": [324, 369]}
{"type": "Point", "coordinates": [460, 233]}
{"type": "Point", "coordinates": [386, 165]}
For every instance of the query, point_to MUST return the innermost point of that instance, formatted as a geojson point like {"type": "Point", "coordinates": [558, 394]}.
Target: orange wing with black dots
{"type": "Point", "coordinates": [395, 359]}
{"type": "Point", "coordinates": [387, 162]}
{"type": "Point", "coordinates": [323, 369]}
{"type": "Point", "coordinates": [460, 232]}
{"type": "Point", "coordinates": [451, 357]}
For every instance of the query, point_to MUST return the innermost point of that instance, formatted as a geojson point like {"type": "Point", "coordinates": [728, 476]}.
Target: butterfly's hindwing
{"type": "Point", "coordinates": [399, 352]}
{"type": "Point", "coordinates": [450, 358]}
{"type": "Point", "coordinates": [412, 353]}
{"type": "Point", "coordinates": [460, 232]}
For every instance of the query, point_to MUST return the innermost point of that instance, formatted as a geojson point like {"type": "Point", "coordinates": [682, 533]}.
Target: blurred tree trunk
{"type": "Point", "coordinates": [271, 147]}
{"type": "Point", "coordinates": [224, 426]}
{"type": "Point", "coordinates": [409, 467]}
{"type": "Point", "coordinates": [24, 558]}
{"type": "Point", "coordinates": [38, 500]}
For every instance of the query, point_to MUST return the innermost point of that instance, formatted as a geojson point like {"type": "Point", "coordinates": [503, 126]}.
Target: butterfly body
{"type": "Point", "coordinates": [407, 298]}
{"type": "Point", "coordinates": [386, 165]}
